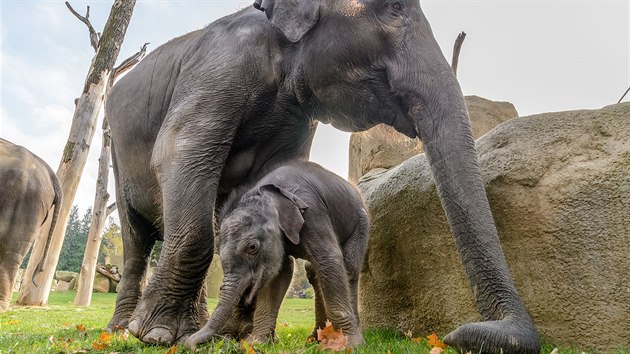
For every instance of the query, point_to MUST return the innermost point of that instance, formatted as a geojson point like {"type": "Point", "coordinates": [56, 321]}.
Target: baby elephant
{"type": "Point", "coordinates": [300, 210]}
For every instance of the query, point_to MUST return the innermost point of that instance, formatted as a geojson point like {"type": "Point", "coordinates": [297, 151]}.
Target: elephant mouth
{"type": "Point", "coordinates": [252, 290]}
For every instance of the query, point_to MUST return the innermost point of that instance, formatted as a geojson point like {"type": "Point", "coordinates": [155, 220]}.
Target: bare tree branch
{"type": "Point", "coordinates": [456, 49]}
{"type": "Point", "coordinates": [110, 209]}
{"type": "Point", "coordinates": [130, 62]}
{"type": "Point", "coordinates": [624, 95]}
{"type": "Point", "coordinates": [94, 36]}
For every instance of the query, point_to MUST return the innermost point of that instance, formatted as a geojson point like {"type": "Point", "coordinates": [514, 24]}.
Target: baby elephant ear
{"type": "Point", "coordinates": [293, 17]}
{"type": "Point", "coordinates": [290, 208]}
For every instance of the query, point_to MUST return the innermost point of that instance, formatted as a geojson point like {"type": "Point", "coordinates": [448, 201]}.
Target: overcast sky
{"type": "Point", "coordinates": [542, 56]}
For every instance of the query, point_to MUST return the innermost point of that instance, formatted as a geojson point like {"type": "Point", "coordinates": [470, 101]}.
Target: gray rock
{"type": "Point", "coordinates": [62, 275]}
{"type": "Point", "coordinates": [559, 188]}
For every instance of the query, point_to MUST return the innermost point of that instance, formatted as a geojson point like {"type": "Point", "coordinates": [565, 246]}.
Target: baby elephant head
{"type": "Point", "coordinates": [252, 239]}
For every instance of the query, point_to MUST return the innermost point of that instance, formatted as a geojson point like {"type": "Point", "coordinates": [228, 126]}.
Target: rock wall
{"type": "Point", "coordinates": [559, 188]}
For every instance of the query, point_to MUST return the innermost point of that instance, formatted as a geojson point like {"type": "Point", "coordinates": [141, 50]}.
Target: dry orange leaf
{"type": "Point", "coordinates": [172, 350]}
{"type": "Point", "coordinates": [331, 339]}
{"type": "Point", "coordinates": [13, 322]}
{"type": "Point", "coordinates": [416, 340]}
{"type": "Point", "coordinates": [436, 350]}
{"type": "Point", "coordinates": [81, 327]}
{"type": "Point", "coordinates": [435, 341]}
{"type": "Point", "coordinates": [102, 342]}
{"type": "Point", "coordinates": [249, 349]}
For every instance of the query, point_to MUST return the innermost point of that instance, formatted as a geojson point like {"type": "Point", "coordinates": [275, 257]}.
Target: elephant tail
{"type": "Point", "coordinates": [55, 217]}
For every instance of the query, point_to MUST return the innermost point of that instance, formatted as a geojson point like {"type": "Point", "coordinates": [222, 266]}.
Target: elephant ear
{"type": "Point", "coordinates": [290, 208]}
{"type": "Point", "coordinates": [293, 17]}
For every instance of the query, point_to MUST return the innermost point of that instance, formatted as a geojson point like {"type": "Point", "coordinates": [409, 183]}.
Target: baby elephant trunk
{"type": "Point", "coordinates": [232, 291]}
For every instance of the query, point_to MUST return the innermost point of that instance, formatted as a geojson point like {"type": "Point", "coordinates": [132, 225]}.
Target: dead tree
{"type": "Point", "coordinates": [37, 282]}
{"type": "Point", "coordinates": [100, 211]}
{"type": "Point", "coordinates": [456, 49]}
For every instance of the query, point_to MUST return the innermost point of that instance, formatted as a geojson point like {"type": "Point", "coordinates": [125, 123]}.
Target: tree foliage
{"type": "Point", "coordinates": [112, 241]}
{"type": "Point", "coordinates": [73, 247]}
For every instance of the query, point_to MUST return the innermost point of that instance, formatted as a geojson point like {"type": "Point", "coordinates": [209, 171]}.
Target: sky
{"type": "Point", "coordinates": [541, 55]}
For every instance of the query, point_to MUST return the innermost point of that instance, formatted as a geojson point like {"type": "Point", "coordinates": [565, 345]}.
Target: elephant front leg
{"type": "Point", "coordinates": [268, 301]}
{"type": "Point", "coordinates": [169, 308]}
{"type": "Point", "coordinates": [137, 246]}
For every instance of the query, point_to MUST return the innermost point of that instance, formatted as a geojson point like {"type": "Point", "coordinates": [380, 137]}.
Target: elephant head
{"type": "Point", "coordinates": [252, 237]}
{"type": "Point", "coordinates": [364, 62]}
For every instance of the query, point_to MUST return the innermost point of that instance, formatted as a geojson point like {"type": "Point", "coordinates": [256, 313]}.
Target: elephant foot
{"type": "Point", "coordinates": [164, 321]}
{"type": "Point", "coordinates": [355, 340]}
{"type": "Point", "coordinates": [118, 323]}
{"type": "Point", "coordinates": [505, 336]}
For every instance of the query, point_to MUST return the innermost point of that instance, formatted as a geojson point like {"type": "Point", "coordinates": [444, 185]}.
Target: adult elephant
{"type": "Point", "coordinates": [213, 109]}
{"type": "Point", "coordinates": [29, 192]}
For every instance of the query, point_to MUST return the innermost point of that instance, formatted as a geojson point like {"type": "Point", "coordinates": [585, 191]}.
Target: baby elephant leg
{"type": "Point", "coordinates": [333, 282]}
{"type": "Point", "coordinates": [268, 301]}
{"type": "Point", "coordinates": [320, 309]}
{"type": "Point", "coordinates": [353, 255]}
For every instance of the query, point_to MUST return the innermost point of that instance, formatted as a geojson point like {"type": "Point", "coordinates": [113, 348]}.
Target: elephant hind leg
{"type": "Point", "coordinates": [320, 309]}
{"type": "Point", "coordinates": [353, 254]}
{"type": "Point", "coordinates": [139, 236]}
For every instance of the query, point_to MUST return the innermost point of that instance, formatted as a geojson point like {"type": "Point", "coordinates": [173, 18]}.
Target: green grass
{"type": "Point", "coordinates": [53, 329]}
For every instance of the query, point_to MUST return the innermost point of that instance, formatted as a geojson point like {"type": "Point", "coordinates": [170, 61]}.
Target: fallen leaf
{"type": "Point", "coordinates": [247, 347]}
{"type": "Point", "coordinates": [13, 322]}
{"type": "Point", "coordinates": [436, 350]}
{"type": "Point", "coordinates": [554, 351]}
{"type": "Point", "coordinates": [435, 341]}
{"type": "Point", "coordinates": [124, 335]}
{"type": "Point", "coordinates": [331, 339]}
{"type": "Point", "coordinates": [408, 334]}
{"type": "Point", "coordinates": [416, 340]}
{"type": "Point", "coordinates": [285, 323]}
{"type": "Point", "coordinates": [310, 340]}
{"type": "Point", "coordinates": [102, 342]}
{"type": "Point", "coordinates": [172, 350]}
{"type": "Point", "coordinates": [80, 327]}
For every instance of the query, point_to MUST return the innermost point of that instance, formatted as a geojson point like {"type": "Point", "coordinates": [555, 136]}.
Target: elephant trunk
{"type": "Point", "coordinates": [232, 291]}
{"type": "Point", "coordinates": [440, 118]}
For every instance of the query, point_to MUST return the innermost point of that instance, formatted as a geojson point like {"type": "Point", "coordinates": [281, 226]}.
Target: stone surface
{"type": "Point", "coordinates": [101, 283]}
{"type": "Point", "coordinates": [65, 275]}
{"type": "Point", "coordinates": [63, 286]}
{"type": "Point", "coordinates": [559, 188]}
{"type": "Point", "coordinates": [384, 147]}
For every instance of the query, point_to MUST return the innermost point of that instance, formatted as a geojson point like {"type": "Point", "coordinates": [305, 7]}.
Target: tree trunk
{"type": "Point", "coordinates": [85, 279]}
{"type": "Point", "coordinates": [36, 286]}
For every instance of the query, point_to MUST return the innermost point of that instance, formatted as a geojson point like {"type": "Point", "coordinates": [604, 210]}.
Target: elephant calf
{"type": "Point", "coordinates": [29, 190]}
{"type": "Point", "coordinates": [301, 210]}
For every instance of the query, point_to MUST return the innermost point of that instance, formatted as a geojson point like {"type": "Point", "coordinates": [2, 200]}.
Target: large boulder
{"type": "Point", "coordinates": [384, 147]}
{"type": "Point", "coordinates": [559, 188]}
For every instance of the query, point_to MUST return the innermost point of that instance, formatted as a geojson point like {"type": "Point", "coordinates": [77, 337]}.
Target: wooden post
{"type": "Point", "coordinates": [36, 285]}
{"type": "Point", "coordinates": [100, 211]}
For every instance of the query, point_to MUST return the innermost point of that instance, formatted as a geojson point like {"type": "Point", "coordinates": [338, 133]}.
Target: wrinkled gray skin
{"type": "Point", "coordinates": [30, 195]}
{"type": "Point", "coordinates": [298, 210]}
{"type": "Point", "coordinates": [213, 109]}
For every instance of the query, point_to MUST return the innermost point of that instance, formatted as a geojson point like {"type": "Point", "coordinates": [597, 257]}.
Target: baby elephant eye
{"type": "Point", "coordinates": [397, 6]}
{"type": "Point", "coordinates": [252, 247]}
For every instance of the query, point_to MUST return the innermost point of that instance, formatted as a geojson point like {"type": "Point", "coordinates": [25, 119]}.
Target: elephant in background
{"type": "Point", "coordinates": [297, 210]}
{"type": "Point", "coordinates": [29, 192]}
{"type": "Point", "coordinates": [217, 108]}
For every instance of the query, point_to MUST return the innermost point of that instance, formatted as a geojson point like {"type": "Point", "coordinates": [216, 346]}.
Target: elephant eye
{"type": "Point", "coordinates": [397, 6]}
{"type": "Point", "coordinates": [252, 247]}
